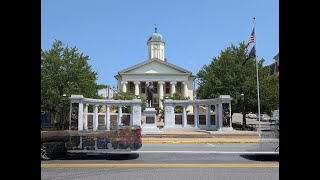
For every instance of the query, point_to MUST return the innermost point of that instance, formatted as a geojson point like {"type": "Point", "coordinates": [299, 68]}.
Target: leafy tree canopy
{"type": "Point", "coordinates": [65, 71]}
{"type": "Point", "coordinates": [129, 96]}
{"type": "Point", "coordinates": [226, 75]}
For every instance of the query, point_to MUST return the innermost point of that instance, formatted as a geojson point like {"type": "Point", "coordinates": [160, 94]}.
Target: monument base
{"type": "Point", "coordinates": [149, 126]}
{"type": "Point", "coordinates": [226, 129]}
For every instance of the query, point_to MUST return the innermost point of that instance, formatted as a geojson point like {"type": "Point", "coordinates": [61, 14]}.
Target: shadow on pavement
{"type": "Point", "coordinates": [122, 156]}
{"type": "Point", "coordinates": [112, 156]}
{"type": "Point", "coordinates": [262, 157]}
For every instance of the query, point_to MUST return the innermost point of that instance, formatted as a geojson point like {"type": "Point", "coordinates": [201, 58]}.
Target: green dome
{"type": "Point", "coordinates": [156, 37]}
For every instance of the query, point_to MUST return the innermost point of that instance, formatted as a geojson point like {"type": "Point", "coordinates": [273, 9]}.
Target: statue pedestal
{"type": "Point", "coordinates": [150, 126]}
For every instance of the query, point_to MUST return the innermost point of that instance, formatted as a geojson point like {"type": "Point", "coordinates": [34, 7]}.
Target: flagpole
{"type": "Point", "coordinates": [254, 25]}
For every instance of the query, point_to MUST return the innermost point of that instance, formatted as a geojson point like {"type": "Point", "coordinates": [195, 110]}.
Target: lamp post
{"type": "Point", "coordinates": [243, 112]}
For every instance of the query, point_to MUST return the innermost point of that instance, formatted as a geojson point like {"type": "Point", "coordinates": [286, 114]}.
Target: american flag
{"type": "Point", "coordinates": [251, 39]}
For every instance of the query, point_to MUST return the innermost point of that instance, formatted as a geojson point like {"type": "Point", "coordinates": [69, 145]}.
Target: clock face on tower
{"type": "Point", "coordinates": [156, 46]}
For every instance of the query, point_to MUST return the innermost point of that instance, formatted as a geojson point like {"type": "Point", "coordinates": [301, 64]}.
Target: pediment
{"type": "Point", "coordinates": [154, 67]}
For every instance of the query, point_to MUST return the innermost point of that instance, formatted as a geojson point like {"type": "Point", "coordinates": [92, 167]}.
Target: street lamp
{"type": "Point", "coordinates": [243, 112]}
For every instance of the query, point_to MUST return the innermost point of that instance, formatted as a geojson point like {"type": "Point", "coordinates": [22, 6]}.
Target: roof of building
{"type": "Point", "coordinates": [156, 60]}
{"type": "Point", "coordinates": [156, 37]}
{"type": "Point", "coordinates": [272, 70]}
{"type": "Point", "coordinates": [276, 57]}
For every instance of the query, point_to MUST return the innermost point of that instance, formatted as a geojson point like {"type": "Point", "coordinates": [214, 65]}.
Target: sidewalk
{"type": "Point", "coordinates": [207, 137]}
{"type": "Point", "coordinates": [201, 137]}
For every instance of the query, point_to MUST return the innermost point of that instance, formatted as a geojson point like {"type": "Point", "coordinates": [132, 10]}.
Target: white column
{"type": "Point", "coordinates": [160, 93]}
{"type": "Point", "coordinates": [173, 87]}
{"type": "Point", "coordinates": [70, 115]}
{"type": "Point", "coordinates": [220, 115]}
{"type": "Point", "coordinates": [184, 117]}
{"type": "Point", "coordinates": [124, 86]}
{"type": "Point", "coordinates": [80, 116]}
{"type": "Point", "coordinates": [95, 117]}
{"type": "Point", "coordinates": [230, 114]}
{"type": "Point", "coordinates": [85, 118]}
{"type": "Point", "coordinates": [196, 116]}
{"type": "Point", "coordinates": [119, 116]}
{"type": "Point", "coordinates": [107, 118]}
{"type": "Point", "coordinates": [136, 88]}
{"type": "Point", "coordinates": [216, 108]}
{"type": "Point", "coordinates": [208, 116]}
{"type": "Point", "coordinates": [185, 89]}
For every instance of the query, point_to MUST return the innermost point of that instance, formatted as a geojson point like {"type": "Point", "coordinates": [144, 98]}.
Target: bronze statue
{"type": "Point", "coordinates": [150, 90]}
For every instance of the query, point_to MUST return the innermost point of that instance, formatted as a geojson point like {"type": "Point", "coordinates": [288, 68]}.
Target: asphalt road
{"type": "Point", "coordinates": [168, 161]}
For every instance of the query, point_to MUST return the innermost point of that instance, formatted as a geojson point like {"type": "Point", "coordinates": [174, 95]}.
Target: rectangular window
{"type": "Point", "coordinates": [131, 87]}
{"type": "Point", "coordinates": [155, 86]}
{"type": "Point", "coordinates": [167, 88]}
{"type": "Point", "coordinates": [143, 87]}
{"type": "Point", "coordinates": [178, 87]}
{"type": "Point", "coordinates": [155, 100]}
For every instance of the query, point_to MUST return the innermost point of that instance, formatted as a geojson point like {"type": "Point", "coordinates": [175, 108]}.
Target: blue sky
{"type": "Point", "coordinates": [114, 33]}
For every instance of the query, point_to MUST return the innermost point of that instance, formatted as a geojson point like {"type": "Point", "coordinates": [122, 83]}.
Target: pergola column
{"type": "Point", "coordinates": [196, 116]}
{"type": "Point", "coordinates": [107, 117]}
{"type": "Point", "coordinates": [95, 117]}
{"type": "Point", "coordinates": [119, 116]}
{"type": "Point", "coordinates": [184, 116]}
{"type": "Point", "coordinates": [85, 118]}
{"type": "Point", "coordinates": [230, 114]}
{"type": "Point", "coordinates": [208, 116]}
{"type": "Point", "coordinates": [80, 116]}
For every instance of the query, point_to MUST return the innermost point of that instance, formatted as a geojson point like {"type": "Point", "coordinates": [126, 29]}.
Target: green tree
{"type": "Point", "coordinates": [226, 75]}
{"type": "Point", "coordinates": [128, 96]}
{"type": "Point", "coordinates": [65, 71]}
{"type": "Point", "coordinates": [177, 109]}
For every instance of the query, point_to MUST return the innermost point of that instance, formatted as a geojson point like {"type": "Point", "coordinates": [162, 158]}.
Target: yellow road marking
{"type": "Point", "coordinates": [163, 165]}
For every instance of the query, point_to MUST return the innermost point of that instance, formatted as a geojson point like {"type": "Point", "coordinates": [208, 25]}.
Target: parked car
{"type": "Point", "coordinates": [275, 117]}
{"type": "Point", "coordinates": [251, 116]}
{"type": "Point", "coordinates": [264, 117]}
{"type": "Point", "coordinates": [60, 142]}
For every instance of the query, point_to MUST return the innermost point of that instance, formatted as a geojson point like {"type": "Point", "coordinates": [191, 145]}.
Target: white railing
{"type": "Point", "coordinates": [79, 112]}
{"type": "Point", "coordinates": [169, 114]}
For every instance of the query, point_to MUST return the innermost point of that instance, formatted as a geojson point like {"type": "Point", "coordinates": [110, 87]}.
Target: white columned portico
{"type": "Point", "coordinates": [173, 87]}
{"type": "Point", "coordinates": [136, 88]}
{"type": "Point", "coordinates": [85, 118]}
{"type": "Point", "coordinates": [124, 86]}
{"type": "Point", "coordinates": [107, 118]}
{"type": "Point", "coordinates": [95, 117]}
{"type": "Point", "coordinates": [185, 89]}
{"type": "Point", "coordinates": [160, 93]}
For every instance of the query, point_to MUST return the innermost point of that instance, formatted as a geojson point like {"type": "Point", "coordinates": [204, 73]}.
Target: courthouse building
{"type": "Point", "coordinates": [167, 78]}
